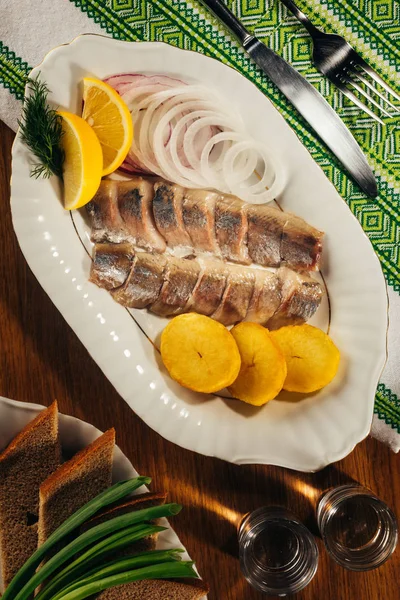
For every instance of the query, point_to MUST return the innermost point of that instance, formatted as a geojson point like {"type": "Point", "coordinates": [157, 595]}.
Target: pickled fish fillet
{"type": "Point", "coordinates": [123, 211]}
{"type": "Point", "coordinates": [167, 210]}
{"type": "Point", "coordinates": [113, 264]}
{"type": "Point", "coordinates": [143, 284]}
{"type": "Point", "coordinates": [167, 286]}
{"type": "Point", "coordinates": [153, 215]}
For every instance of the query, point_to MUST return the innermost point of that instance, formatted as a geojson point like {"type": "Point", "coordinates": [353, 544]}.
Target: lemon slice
{"type": "Point", "coordinates": [83, 163]}
{"type": "Point", "coordinates": [108, 115]}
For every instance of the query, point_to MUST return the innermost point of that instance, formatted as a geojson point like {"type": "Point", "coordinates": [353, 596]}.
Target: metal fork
{"type": "Point", "coordinates": [337, 60]}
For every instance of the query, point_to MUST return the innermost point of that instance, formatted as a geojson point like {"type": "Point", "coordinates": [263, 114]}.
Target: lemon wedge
{"type": "Point", "coordinates": [83, 163]}
{"type": "Point", "coordinates": [106, 112]}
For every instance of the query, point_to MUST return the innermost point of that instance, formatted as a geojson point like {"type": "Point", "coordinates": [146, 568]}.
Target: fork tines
{"type": "Point", "coordinates": [356, 67]}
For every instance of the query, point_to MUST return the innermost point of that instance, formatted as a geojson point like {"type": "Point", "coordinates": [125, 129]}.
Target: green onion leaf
{"type": "Point", "coordinates": [86, 539]}
{"type": "Point", "coordinates": [152, 557]}
{"type": "Point", "coordinates": [94, 555]}
{"type": "Point", "coordinates": [170, 570]}
{"type": "Point", "coordinates": [109, 496]}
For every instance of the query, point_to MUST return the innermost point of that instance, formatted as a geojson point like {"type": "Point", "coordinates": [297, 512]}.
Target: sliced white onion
{"type": "Point", "coordinates": [251, 194]}
{"type": "Point", "coordinates": [212, 172]}
{"type": "Point", "coordinates": [132, 95]}
{"type": "Point", "coordinates": [145, 154]}
{"type": "Point", "coordinates": [173, 166]}
{"type": "Point", "coordinates": [186, 134]}
{"type": "Point", "coordinates": [213, 119]}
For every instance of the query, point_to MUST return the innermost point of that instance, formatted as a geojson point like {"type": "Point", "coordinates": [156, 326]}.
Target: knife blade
{"type": "Point", "coordinates": [305, 98]}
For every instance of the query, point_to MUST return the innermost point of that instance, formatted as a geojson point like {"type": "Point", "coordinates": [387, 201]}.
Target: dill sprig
{"type": "Point", "coordinates": [41, 130]}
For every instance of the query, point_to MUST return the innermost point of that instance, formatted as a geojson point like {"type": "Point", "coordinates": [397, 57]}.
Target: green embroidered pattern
{"type": "Point", "coordinates": [13, 72]}
{"type": "Point", "coordinates": [373, 29]}
{"type": "Point", "coordinates": [387, 407]}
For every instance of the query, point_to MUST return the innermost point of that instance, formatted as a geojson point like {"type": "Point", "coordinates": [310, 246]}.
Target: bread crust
{"type": "Point", "coordinates": [74, 483]}
{"type": "Point", "coordinates": [29, 459]}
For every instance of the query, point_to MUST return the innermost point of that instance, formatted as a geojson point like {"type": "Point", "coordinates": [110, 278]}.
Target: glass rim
{"type": "Point", "coordinates": [271, 514]}
{"type": "Point", "coordinates": [375, 557]}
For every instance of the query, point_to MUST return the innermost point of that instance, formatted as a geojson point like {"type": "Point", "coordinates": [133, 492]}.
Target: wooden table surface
{"type": "Point", "coordinates": [42, 359]}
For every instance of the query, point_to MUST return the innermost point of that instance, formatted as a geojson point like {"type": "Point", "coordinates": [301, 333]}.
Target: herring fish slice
{"type": "Point", "coordinates": [135, 199]}
{"type": "Point", "coordinates": [180, 278]}
{"type": "Point", "coordinates": [111, 265]}
{"type": "Point", "coordinates": [210, 286]}
{"type": "Point", "coordinates": [264, 236]}
{"type": "Point", "coordinates": [231, 229]}
{"type": "Point", "coordinates": [266, 297]}
{"type": "Point", "coordinates": [300, 297]}
{"type": "Point", "coordinates": [236, 297]}
{"type": "Point", "coordinates": [198, 210]}
{"type": "Point", "coordinates": [167, 210]}
{"type": "Point", "coordinates": [105, 219]}
{"type": "Point", "coordinates": [229, 293]}
{"type": "Point", "coordinates": [301, 244]}
{"type": "Point", "coordinates": [144, 282]}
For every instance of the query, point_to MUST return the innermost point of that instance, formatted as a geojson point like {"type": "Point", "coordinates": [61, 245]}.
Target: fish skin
{"type": "Point", "coordinates": [167, 210]}
{"type": "Point", "coordinates": [106, 221]}
{"type": "Point", "coordinates": [231, 229]}
{"type": "Point", "coordinates": [301, 248]}
{"type": "Point", "coordinates": [168, 286]}
{"type": "Point", "coordinates": [204, 221]}
{"type": "Point", "coordinates": [180, 278]}
{"type": "Point", "coordinates": [209, 288]}
{"type": "Point", "coordinates": [236, 297]}
{"type": "Point", "coordinates": [300, 297]}
{"type": "Point", "coordinates": [135, 203]}
{"type": "Point", "coordinates": [111, 264]}
{"type": "Point", "coordinates": [264, 236]}
{"type": "Point", "coordinates": [266, 298]}
{"type": "Point", "coordinates": [198, 210]}
{"type": "Point", "coordinates": [143, 285]}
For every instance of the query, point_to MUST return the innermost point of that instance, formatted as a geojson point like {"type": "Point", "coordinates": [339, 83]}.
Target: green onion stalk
{"type": "Point", "coordinates": [170, 570]}
{"type": "Point", "coordinates": [109, 496]}
{"type": "Point", "coordinates": [89, 537]}
{"type": "Point", "coordinates": [114, 543]}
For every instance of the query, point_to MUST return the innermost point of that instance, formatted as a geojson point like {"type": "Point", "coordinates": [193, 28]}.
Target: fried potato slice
{"type": "Point", "coordinates": [311, 356]}
{"type": "Point", "coordinates": [200, 353]}
{"type": "Point", "coordinates": [263, 368]}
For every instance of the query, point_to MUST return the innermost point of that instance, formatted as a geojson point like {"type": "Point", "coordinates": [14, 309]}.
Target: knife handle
{"type": "Point", "coordinates": [228, 18]}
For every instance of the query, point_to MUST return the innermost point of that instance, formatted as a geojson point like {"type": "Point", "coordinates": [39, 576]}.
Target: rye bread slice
{"type": "Point", "coordinates": [161, 589]}
{"type": "Point", "coordinates": [74, 483]}
{"type": "Point", "coordinates": [29, 459]}
{"type": "Point", "coordinates": [135, 503]}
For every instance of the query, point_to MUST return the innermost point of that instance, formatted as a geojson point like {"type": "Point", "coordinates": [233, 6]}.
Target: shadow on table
{"type": "Point", "coordinates": [246, 488]}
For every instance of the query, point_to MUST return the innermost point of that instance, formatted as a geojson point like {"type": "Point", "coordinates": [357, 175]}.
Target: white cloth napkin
{"type": "Point", "coordinates": [30, 28]}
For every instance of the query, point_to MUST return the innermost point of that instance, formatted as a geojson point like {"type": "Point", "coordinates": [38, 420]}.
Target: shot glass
{"type": "Point", "coordinates": [278, 555]}
{"type": "Point", "coordinates": [358, 529]}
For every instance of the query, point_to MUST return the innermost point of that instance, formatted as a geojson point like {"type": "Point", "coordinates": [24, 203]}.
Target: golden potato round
{"type": "Point", "coordinates": [311, 356]}
{"type": "Point", "coordinates": [263, 368]}
{"type": "Point", "coordinates": [199, 353]}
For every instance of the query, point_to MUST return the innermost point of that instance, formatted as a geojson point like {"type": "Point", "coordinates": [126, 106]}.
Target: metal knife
{"type": "Point", "coordinates": [307, 100]}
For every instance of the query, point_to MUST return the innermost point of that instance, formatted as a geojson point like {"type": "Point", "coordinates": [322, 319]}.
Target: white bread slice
{"type": "Point", "coordinates": [161, 589]}
{"type": "Point", "coordinates": [29, 459]}
{"type": "Point", "coordinates": [75, 483]}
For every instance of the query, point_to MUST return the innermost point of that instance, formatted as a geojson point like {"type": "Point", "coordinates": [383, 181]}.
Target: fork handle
{"type": "Point", "coordinates": [300, 16]}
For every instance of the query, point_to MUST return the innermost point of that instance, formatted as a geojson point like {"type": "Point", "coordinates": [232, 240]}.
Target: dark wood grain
{"type": "Point", "coordinates": [42, 359]}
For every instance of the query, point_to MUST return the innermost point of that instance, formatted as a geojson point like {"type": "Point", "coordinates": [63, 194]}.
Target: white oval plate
{"type": "Point", "coordinates": [305, 435]}
{"type": "Point", "coordinates": [75, 435]}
